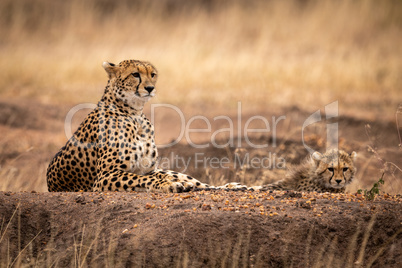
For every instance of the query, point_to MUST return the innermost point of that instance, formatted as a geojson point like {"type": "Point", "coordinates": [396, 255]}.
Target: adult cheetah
{"type": "Point", "coordinates": [114, 147]}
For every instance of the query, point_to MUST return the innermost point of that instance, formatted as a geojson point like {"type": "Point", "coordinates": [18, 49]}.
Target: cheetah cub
{"type": "Point", "coordinates": [328, 172]}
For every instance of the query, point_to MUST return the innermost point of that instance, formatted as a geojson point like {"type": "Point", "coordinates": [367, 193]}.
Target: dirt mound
{"type": "Point", "coordinates": [198, 229]}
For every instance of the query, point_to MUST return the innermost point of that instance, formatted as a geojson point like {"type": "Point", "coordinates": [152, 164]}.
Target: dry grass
{"type": "Point", "coordinates": [210, 55]}
{"type": "Point", "coordinates": [263, 52]}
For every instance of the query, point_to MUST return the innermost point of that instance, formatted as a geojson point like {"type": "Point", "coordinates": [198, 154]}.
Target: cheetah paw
{"type": "Point", "coordinates": [172, 187]}
{"type": "Point", "coordinates": [233, 186]}
{"type": "Point", "coordinates": [188, 186]}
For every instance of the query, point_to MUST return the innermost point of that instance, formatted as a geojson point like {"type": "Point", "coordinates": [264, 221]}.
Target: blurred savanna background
{"type": "Point", "coordinates": [278, 58]}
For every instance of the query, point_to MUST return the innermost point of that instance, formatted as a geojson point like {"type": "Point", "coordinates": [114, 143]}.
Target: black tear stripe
{"type": "Point", "coordinates": [139, 77]}
{"type": "Point", "coordinates": [330, 179]}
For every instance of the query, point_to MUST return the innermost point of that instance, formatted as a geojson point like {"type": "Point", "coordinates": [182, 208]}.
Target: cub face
{"type": "Point", "coordinates": [336, 168]}
{"type": "Point", "coordinates": [132, 80]}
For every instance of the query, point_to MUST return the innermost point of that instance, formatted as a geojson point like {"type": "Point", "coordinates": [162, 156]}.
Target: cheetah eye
{"type": "Point", "coordinates": [153, 75]}
{"type": "Point", "coordinates": [136, 74]}
{"type": "Point", "coordinates": [345, 169]}
{"type": "Point", "coordinates": [331, 169]}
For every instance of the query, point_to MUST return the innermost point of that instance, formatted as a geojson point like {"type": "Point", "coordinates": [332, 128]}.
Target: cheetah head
{"type": "Point", "coordinates": [335, 169]}
{"type": "Point", "coordinates": [132, 81]}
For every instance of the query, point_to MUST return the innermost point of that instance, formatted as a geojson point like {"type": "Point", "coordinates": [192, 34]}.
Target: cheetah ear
{"type": "Point", "coordinates": [316, 156]}
{"type": "Point", "coordinates": [111, 69]}
{"type": "Point", "coordinates": [353, 155]}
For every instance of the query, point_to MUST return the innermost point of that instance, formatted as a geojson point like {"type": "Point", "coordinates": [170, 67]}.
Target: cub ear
{"type": "Point", "coordinates": [353, 155]}
{"type": "Point", "coordinates": [316, 156]}
{"type": "Point", "coordinates": [111, 69]}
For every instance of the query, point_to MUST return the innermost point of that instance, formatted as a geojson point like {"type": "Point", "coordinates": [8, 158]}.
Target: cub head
{"type": "Point", "coordinates": [335, 168]}
{"type": "Point", "coordinates": [132, 81]}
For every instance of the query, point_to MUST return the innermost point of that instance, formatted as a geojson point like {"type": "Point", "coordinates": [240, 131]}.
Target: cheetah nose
{"type": "Point", "coordinates": [338, 181]}
{"type": "Point", "coordinates": [149, 89]}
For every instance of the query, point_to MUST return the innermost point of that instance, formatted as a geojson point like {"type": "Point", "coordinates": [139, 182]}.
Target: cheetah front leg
{"type": "Point", "coordinates": [189, 183]}
{"type": "Point", "coordinates": [112, 177]}
{"type": "Point", "coordinates": [157, 180]}
{"type": "Point", "coordinates": [115, 175]}
{"type": "Point", "coordinates": [119, 180]}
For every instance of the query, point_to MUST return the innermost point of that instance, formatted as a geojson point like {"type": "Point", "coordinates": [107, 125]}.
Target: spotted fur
{"type": "Point", "coordinates": [329, 172]}
{"type": "Point", "coordinates": [114, 147]}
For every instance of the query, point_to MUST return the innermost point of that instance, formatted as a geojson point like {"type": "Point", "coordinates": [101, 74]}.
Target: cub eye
{"type": "Point", "coordinates": [136, 74]}
{"type": "Point", "coordinates": [153, 75]}
{"type": "Point", "coordinates": [345, 169]}
{"type": "Point", "coordinates": [331, 169]}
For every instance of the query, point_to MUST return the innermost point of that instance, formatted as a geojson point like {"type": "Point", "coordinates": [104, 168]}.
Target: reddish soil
{"type": "Point", "coordinates": [199, 229]}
